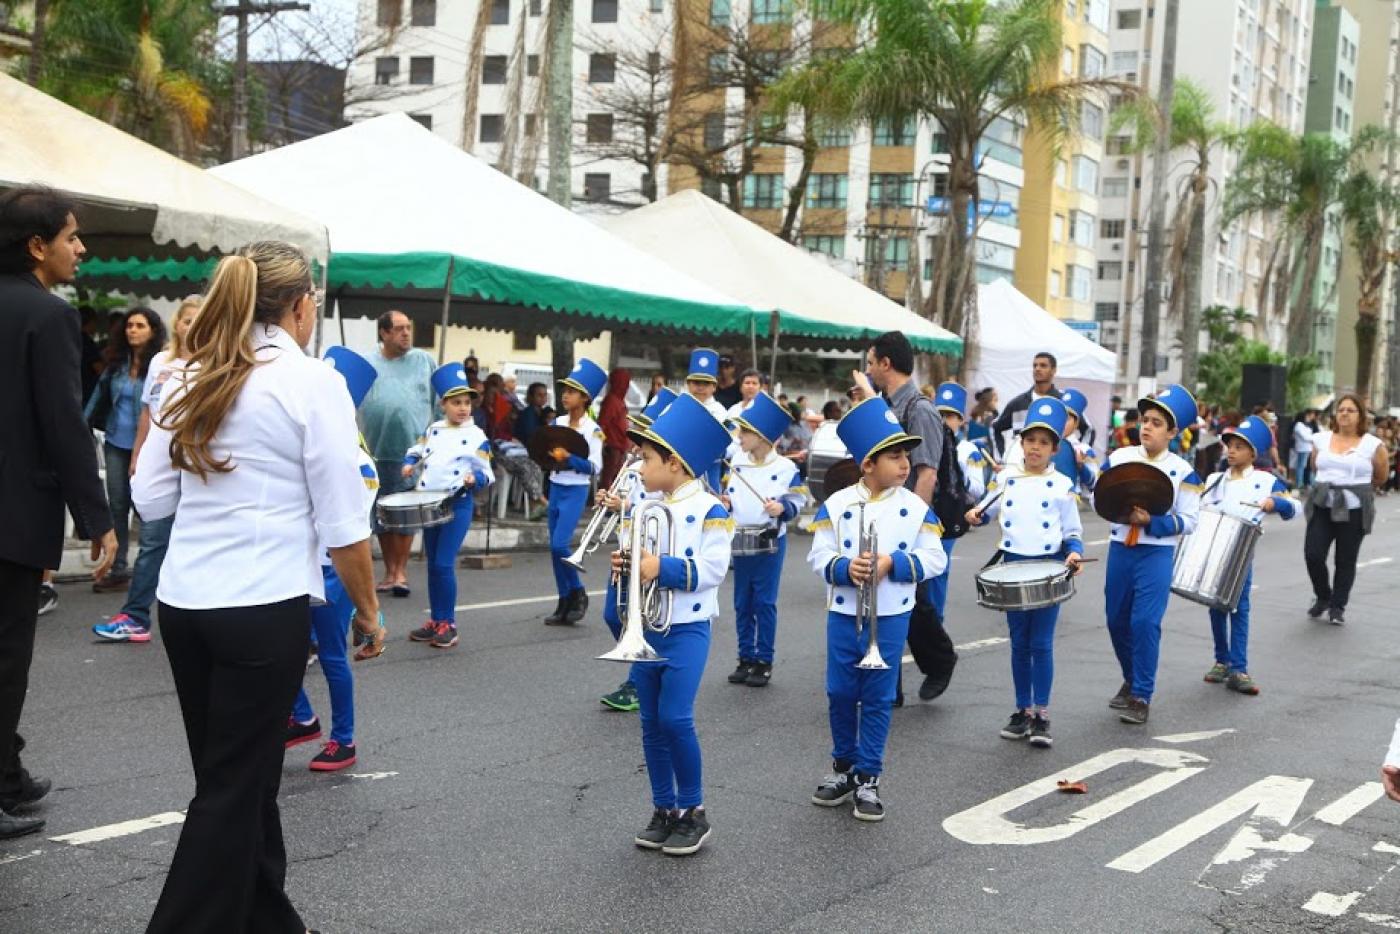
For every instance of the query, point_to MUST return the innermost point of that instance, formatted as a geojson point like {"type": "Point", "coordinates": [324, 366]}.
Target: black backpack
{"type": "Point", "coordinates": [951, 500]}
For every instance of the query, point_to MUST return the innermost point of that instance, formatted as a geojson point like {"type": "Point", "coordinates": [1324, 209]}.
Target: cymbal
{"type": "Point", "coordinates": [839, 476]}
{"type": "Point", "coordinates": [1121, 488]}
{"type": "Point", "coordinates": [549, 437]}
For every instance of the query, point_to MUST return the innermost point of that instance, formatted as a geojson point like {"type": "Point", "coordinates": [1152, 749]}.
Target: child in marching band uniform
{"type": "Point", "coordinates": [1039, 519]}
{"type": "Point", "coordinates": [1139, 574]}
{"type": "Point", "coordinates": [701, 382]}
{"type": "Point", "coordinates": [1246, 493]}
{"type": "Point", "coordinates": [1073, 457]}
{"type": "Point", "coordinates": [755, 471]}
{"type": "Point", "coordinates": [681, 438]}
{"type": "Point", "coordinates": [625, 697]}
{"type": "Point", "coordinates": [330, 621]}
{"type": "Point", "coordinates": [568, 488]}
{"type": "Point", "coordinates": [951, 400]}
{"type": "Point", "coordinates": [859, 699]}
{"type": "Point", "coordinates": [454, 457]}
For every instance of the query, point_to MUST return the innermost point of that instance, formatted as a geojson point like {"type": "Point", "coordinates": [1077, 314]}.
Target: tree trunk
{"type": "Point", "coordinates": [1300, 322]}
{"type": "Point", "coordinates": [510, 137]}
{"type": "Point", "coordinates": [473, 76]}
{"type": "Point", "coordinates": [798, 192]}
{"type": "Point", "coordinates": [1157, 216]}
{"type": "Point", "coordinates": [561, 104]}
{"type": "Point", "coordinates": [1191, 287]}
{"type": "Point", "coordinates": [37, 41]}
{"type": "Point", "coordinates": [1367, 322]}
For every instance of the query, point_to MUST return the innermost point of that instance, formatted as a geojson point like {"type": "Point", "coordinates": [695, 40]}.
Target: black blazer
{"type": "Point", "coordinates": [47, 455]}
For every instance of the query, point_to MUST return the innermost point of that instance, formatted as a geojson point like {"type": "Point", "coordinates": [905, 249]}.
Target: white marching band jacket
{"type": "Point", "coordinates": [775, 478]}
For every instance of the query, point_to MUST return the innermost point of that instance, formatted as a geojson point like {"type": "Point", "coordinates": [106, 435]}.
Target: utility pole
{"type": "Point", "coordinates": [1157, 217]}
{"type": "Point", "coordinates": [241, 11]}
{"type": "Point", "coordinates": [37, 41]}
{"type": "Point", "coordinates": [560, 133]}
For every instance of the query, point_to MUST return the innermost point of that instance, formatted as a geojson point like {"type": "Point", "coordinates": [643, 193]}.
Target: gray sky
{"type": "Point", "coordinates": [330, 22]}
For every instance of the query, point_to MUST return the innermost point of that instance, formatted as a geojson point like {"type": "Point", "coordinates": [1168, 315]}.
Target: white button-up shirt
{"type": "Point", "coordinates": [250, 536]}
{"type": "Point", "coordinates": [594, 436]}
{"type": "Point", "coordinates": [774, 478]}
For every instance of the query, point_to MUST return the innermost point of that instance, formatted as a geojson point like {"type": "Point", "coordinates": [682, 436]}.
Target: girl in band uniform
{"type": "Point", "coordinates": [568, 488]}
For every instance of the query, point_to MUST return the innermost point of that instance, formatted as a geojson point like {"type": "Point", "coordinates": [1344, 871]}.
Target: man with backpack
{"type": "Point", "coordinates": [889, 369]}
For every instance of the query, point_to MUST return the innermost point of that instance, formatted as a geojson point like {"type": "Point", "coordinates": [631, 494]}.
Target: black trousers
{"type": "Point", "coordinates": [929, 641]}
{"type": "Point", "coordinates": [236, 673]}
{"type": "Point", "coordinates": [19, 611]}
{"type": "Point", "coordinates": [1322, 531]}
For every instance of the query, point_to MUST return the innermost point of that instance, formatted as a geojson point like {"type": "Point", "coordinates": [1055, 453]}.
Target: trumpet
{"type": "Point", "coordinates": [642, 606]}
{"type": "Point", "coordinates": [604, 521]}
{"type": "Point", "coordinates": [867, 606]}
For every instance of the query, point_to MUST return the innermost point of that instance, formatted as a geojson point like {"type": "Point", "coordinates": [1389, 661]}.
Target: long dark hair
{"type": "Point", "coordinates": [123, 353]}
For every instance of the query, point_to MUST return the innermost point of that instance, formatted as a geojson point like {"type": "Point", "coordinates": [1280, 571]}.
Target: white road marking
{"type": "Point", "coordinates": [968, 646]}
{"type": "Point", "coordinates": [1373, 562]}
{"type": "Point", "coordinates": [1384, 847]}
{"type": "Point", "coordinates": [16, 857]}
{"type": "Point", "coordinates": [1332, 906]}
{"type": "Point", "coordinates": [1274, 799]}
{"type": "Point", "coordinates": [1099, 541]}
{"type": "Point", "coordinates": [987, 823]}
{"type": "Point", "coordinates": [519, 601]}
{"type": "Point", "coordinates": [123, 829]}
{"type": "Point", "coordinates": [373, 776]}
{"type": "Point", "coordinates": [1384, 921]}
{"type": "Point", "coordinates": [1192, 737]}
{"type": "Point", "coordinates": [1351, 804]}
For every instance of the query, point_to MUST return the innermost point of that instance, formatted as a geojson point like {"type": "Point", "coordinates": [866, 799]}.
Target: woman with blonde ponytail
{"type": "Point", "coordinates": [255, 455]}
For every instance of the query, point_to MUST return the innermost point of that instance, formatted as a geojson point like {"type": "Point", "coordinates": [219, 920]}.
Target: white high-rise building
{"type": "Point", "coordinates": [1251, 57]}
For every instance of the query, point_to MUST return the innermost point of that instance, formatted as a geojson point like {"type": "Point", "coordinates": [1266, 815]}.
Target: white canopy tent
{"type": "Point", "coordinates": [1013, 329]}
{"type": "Point", "coordinates": [142, 209]}
{"type": "Point", "coordinates": [419, 225]}
{"type": "Point", "coordinates": [817, 306]}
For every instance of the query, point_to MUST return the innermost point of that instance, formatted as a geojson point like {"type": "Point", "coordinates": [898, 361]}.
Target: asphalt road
{"type": "Point", "coordinates": [494, 793]}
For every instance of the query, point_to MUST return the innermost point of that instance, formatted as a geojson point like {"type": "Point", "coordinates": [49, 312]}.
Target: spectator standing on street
{"type": "Point", "coordinates": [394, 414]}
{"type": "Point", "coordinates": [612, 418]}
{"type": "Point", "coordinates": [727, 391]}
{"type": "Point", "coordinates": [1009, 422]}
{"type": "Point", "coordinates": [115, 409]}
{"type": "Point", "coordinates": [750, 385]}
{"type": "Point", "coordinates": [48, 455]}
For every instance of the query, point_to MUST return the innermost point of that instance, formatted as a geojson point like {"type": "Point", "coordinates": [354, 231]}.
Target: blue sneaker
{"type": "Point", "coordinates": [122, 628]}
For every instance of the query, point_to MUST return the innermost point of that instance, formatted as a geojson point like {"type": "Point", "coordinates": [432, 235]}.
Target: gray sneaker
{"type": "Point", "coordinates": [1040, 732]}
{"type": "Point", "coordinates": [836, 789]}
{"type": "Point", "coordinates": [1136, 711]}
{"type": "Point", "coordinates": [868, 806]}
{"type": "Point", "coordinates": [1018, 727]}
{"type": "Point", "coordinates": [1120, 700]}
{"type": "Point", "coordinates": [657, 832]}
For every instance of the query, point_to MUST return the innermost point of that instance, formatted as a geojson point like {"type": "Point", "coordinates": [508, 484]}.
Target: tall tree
{"type": "Point", "coordinates": [1157, 210]}
{"type": "Point", "coordinates": [1369, 203]}
{"type": "Point", "coordinates": [962, 63]}
{"type": "Point", "coordinates": [1195, 133]}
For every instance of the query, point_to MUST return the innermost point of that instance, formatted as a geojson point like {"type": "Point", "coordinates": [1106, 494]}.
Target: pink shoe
{"type": "Point", "coordinates": [122, 628]}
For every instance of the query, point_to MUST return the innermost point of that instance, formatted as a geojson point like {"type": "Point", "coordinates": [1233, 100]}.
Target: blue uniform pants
{"type": "Point", "coordinates": [566, 505]}
{"type": "Point", "coordinates": [1136, 587]}
{"type": "Point", "coordinates": [441, 543]}
{"type": "Point", "coordinates": [330, 625]}
{"type": "Point", "coordinates": [859, 700]}
{"type": "Point", "coordinates": [666, 691]}
{"type": "Point", "coordinates": [938, 586]}
{"type": "Point", "coordinates": [756, 579]}
{"type": "Point", "coordinates": [1231, 631]}
{"type": "Point", "coordinates": [1032, 654]}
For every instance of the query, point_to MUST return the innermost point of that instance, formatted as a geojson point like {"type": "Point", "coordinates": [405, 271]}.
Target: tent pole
{"type": "Point", "coordinates": [340, 321]}
{"type": "Point", "coordinates": [321, 312]}
{"type": "Point", "coordinates": [446, 309]}
{"type": "Point", "coordinates": [773, 360]}
{"type": "Point", "coordinates": [753, 341]}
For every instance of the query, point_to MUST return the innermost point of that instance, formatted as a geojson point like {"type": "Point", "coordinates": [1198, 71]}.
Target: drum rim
{"type": "Point", "coordinates": [413, 498]}
{"type": "Point", "coordinates": [986, 574]}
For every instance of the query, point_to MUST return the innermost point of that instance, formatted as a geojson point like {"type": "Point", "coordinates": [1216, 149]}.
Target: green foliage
{"type": "Point", "coordinates": [1221, 368]}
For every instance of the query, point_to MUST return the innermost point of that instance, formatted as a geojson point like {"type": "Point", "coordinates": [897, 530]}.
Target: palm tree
{"type": "Point", "coordinates": [963, 64]}
{"type": "Point", "coordinates": [1368, 204]}
{"type": "Point", "coordinates": [1197, 133]}
{"type": "Point", "coordinates": [1298, 179]}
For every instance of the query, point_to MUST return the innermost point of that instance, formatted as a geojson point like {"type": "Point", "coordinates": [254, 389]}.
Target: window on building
{"type": "Point", "coordinates": [532, 66]}
{"type": "Point", "coordinates": [1091, 120]}
{"type": "Point", "coordinates": [1055, 283]}
{"type": "Point", "coordinates": [938, 184]}
{"type": "Point", "coordinates": [712, 189]}
{"type": "Point", "coordinates": [717, 67]}
{"type": "Point", "coordinates": [422, 13]}
{"type": "Point", "coordinates": [597, 186]}
{"type": "Point", "coordinates": [536, 7]}
{"type": "Point", "coordinates": [1110, 271]}
{"type": "Point", "coordinates": [940, 141]}
{"type": "Point", "coordinates": [602, 68]}
{"type": "Point", "coordinates": [763, 190]}
{"type": "Point", "coordinates": [420, 69]}
{"type": "Point", "coordinates": [1105, 311]}
{"type": "Point", "coordinates": [523, 340]}
{"type": "Point", "coordinates": [529, 124]}
{"type": "Point", "coordinates": [1086, 174]}
{"type": "Point", "coordinates": [769, 128]}
{"type": "Point", "coordinates": [1114, 188]}
{"type": "Point", "coordinates": [656, 6]}
{"type": "Point", "coordinates": [1092, 62]}
{"type": "Point", "coordinates": [1118, 145]}
{"type": "Point", "coordinates": [890, 252]}
{"type": "Point", "coordinates": [1081, 228]}
{"type": "Point", "coordinates": [493, 69]}
{"type": "Point", "coordinates": [894, 132]}
{"type": "Point", "coordinates": [832, 135]}
{"type": "Point", "coordinates": [1130, 19]}
{"type": "Point", "coordinates": [767, 64]}
{"type": "Point", "coordinates": [826, 190]}
{"type": "Point", "coordinates": [714, 132]}
{"type": "Point", "coordinates": [492, 127]}
{"type": "Point", "coordinates": [891, 189]}
{"type": "Point", "coordinates": [423, 120]}
{"type": "Point", "coordinates": [1067, 61]}
{"type": "Point", "coordinates": [1057, 228]}
{"type": "Point", "coordinates": [770, 11]}
{"type": "Point", "coordinates": [599, 128]}
{"type": "Point", "coordinates": [500, 12]}
{"type": "Point", "coordinates": [653, 63]}
{"type": "Point", "coordinates": [1081, 282]}
{"type": "Point", "coordinates": [719, 12]}
{"type": "Point", "coordinates": [604, 11]}
{"type": "Point", "coordinates": [831, 246]}
{"type": "Point", "coordinates": [390, 13]}
{"type": "Point", "coordinates": [386, 70]}
{"type": "Point", "coordinates": [1111, 229]}
{"type": "Point", "coordinates": [1096, 14]}
{"type": "Point", "coordinates": [1125, 61]}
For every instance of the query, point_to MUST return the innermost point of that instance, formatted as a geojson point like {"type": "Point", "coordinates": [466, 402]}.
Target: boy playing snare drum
{"type": "Point", "coordinates": [1039, 520]}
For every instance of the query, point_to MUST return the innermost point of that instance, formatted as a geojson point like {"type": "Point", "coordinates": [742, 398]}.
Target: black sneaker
{"type": "Point", "coordinates": [657, 832]}
{"type": "Point", "coordinates": [557, 617]}
{"type": "Point", "coordinates": [1120, 700]}
{"type": "Point", "coordinates": [333, 757]}
{"type": "Point", "coordinates": [1336, 616]}
{"type": "Point", "coordinates": [1136, 711]}
{"type": "Point", "coordinates": [1040, 732]}
{"type": "Point", "coordinates": [446, 636]}
{"type": "Point", "coordinates": [836, 789]}
{"type": "Point", "coordinates": [298, 733]}
{"type": "Point", "coordinates": [741, 674]}
{"type": "Point", "coordinates": [425, 632]}
{"type": "Point", "coordinates": [578, 607]}
{"type": "Point", "coordinates": [1318, 608]}
{"type": "Point", "coordinates": [48, 598]}
{"type": "Point", "coordinates": [759, 675]}
{"type": "Point", "coordinates": [1018, 727]}
{"type": "Point", "coordinates": [689, 832]}
{"type": "Point", "coordinates": [868, 806]}
{"type": "Point", "coordinates": [933, 686]}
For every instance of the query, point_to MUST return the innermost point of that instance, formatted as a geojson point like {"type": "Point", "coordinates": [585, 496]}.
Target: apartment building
{"type": "Point", "coordinates": [1251, 57]}
{"type": "Point", "coordinates": [1060, 224]}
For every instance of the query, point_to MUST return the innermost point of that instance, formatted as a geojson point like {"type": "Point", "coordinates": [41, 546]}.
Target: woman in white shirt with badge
{"type": "Point", "coordinates": [255, 454]}
{"type": "Point", "coordinates": [1348, 464]}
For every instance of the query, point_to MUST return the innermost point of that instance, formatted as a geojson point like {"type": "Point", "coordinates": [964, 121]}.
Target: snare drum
{"type": "Point", "coordinates": [754, 540]}
{"type": "Point", "coordinates": [1024, 585]}
{"type": "Point", "coordinates": [416, 509]}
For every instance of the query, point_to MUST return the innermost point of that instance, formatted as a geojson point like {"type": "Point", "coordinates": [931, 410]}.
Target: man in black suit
{"type": "Point", "coordinates": [47, 457]}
